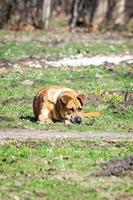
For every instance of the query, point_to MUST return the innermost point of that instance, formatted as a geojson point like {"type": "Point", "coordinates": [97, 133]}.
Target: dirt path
{"type": "Point", "coordinates": [38, 134]}
{"type": "Point", "coordinates": [80, 60]}
{"type": "Point", "coordinates": [71, 61]}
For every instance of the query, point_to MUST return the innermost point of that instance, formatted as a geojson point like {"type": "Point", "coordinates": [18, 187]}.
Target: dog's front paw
{"type": "Point", "coordinates": [68, 123]}
{"type": "Point", "coordinates": [47, 121]}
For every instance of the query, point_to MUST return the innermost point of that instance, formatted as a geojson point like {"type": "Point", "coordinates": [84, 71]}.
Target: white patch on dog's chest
{"type": "Point", "coordinates": [45, 113]}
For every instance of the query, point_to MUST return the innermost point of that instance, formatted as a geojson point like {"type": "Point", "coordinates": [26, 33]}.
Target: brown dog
{"type": "Point", "coordinates": [60, 104]}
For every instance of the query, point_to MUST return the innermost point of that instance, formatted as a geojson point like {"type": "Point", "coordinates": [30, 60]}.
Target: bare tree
{"type": "Point", "coordinates": [28, 14]}
{"type": "Point", "coordinates": [95, 12]}
{"type": "Point", "coordinates": [118, 13]}
{"type": "Point", "coordinates": [46, 12]}
{"type": "Point", "coordinates": [74, 17]}
{"type": "Point", "coordinates": [100, 12]}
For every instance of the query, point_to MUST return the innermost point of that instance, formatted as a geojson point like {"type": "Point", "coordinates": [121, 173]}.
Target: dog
{"type": "Point", "coordinates": [56, 103]}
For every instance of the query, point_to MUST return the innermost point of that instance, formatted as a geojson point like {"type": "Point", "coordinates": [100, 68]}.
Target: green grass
{"type": "Point", "coordinates": [15, 50]}
{"type": "Point", "coordinates": [61, 170]}
{"type": "Point", "coordinates": [16, 96]}
{"type": "Point", "coordinates": [40, 44]}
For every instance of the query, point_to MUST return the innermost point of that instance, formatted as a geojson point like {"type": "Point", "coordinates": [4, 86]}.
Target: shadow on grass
{"type": "Point", "coordinates": [28, 118]}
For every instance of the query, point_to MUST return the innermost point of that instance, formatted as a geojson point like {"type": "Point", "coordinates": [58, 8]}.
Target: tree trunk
{"type": "Point", "coordinates": [100, 12]}
{"type": "Point", "coordinates": [129, 11]}
{"type": "Point", "coordinates": [4, 12]}
{"type": "Point", "coordinates": [74, 17]}
{"type": "Point", "coordinates": [46, 12]}
{"type": "Point", "coordinates": [118, 13]}
{"type": "Point", "coordinates": [28, 14]}
{"type": "Point", "coordinates": [19, 14]}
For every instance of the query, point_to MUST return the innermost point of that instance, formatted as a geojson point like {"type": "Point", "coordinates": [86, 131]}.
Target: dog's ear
{"type": "Point", "coordinates": [82, 98]}
{"type": "Point", "coordinates": [65, 98]}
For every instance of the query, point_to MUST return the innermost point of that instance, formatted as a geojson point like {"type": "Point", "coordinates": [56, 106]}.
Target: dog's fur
{"type": "Point", "coordinates": [60, 104]}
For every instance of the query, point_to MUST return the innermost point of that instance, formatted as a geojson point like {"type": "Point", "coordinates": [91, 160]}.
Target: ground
{"type": "Point", "coordinates": [42, 161]}
{"type": "Point", "coordinates": [66, 169]}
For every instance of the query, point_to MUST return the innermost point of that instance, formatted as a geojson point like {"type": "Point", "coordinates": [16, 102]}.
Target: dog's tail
{"type": "Point", "coordinates": [92, 114]}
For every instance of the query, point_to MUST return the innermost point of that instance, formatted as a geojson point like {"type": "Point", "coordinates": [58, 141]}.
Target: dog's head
{"type": "Point", "coordinates": [71, 106]}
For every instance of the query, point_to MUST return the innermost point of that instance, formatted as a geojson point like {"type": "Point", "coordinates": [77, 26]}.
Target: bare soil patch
{"type": "Point", "coordinates": [120, 167]}
{"type": "Point", "coordinates": [13, 100]}
{"type": "Point", "coordinates": [124, 197]}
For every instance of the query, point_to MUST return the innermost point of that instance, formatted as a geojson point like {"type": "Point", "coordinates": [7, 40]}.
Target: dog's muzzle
{"type": "Point", "coordinates": [77, 120]}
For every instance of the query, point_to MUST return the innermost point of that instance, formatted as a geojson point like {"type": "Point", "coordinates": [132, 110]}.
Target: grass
{"type": "Point", "coordinates": [15, 50]}
{"type": "Point", "coordinates": [61, 170]}
{"type": "Point", "coordinates": [17, 95]}
{"type": "Point", "coordinates": [40, 44]}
